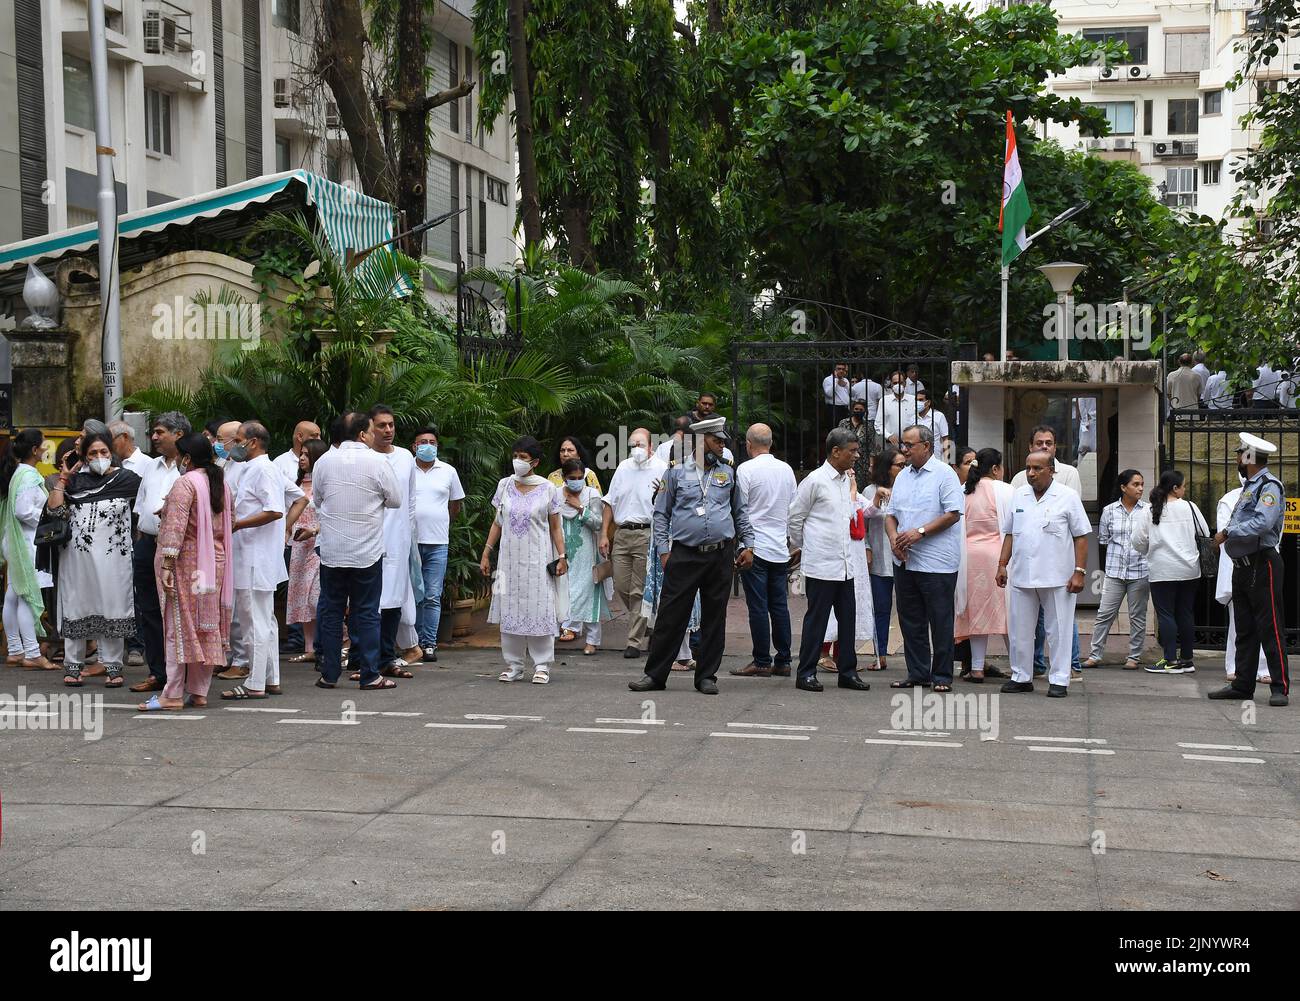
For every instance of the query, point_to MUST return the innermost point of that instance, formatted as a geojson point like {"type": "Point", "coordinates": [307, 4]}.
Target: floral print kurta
{"type": "Point", "coordinates": [186, 639]}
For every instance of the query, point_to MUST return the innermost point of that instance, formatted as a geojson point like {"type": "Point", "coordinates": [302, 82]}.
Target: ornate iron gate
{"type": "Point", "coordinates": [1201, 445]}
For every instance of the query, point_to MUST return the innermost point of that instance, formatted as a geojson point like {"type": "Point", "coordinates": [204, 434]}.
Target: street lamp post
{"type": "Point", "coordinates": [1069, 213]}
{"type": "Point", "coordinates": [109, 294]}
{"type": "Point", "coordinates": [1061, 275]}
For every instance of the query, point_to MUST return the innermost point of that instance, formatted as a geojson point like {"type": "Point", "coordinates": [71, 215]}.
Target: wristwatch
{"type": "Point", "coordinates": [1082, 570]}
{"type": "Point", "coordinates": [921, 531]}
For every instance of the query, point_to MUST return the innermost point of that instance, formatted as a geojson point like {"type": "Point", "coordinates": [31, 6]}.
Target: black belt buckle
{"type": "Point", "coordinates": [630, 525]}
{"type": "Point", "coordinates": [713, 547]}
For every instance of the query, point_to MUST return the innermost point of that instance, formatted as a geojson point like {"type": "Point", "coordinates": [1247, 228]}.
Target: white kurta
{"type": "Point", "coordinates": [399, 532]}
{"type": "Point", "coordinates": [257, 554]}
{"type": "Point", "coordinates": [28, 506]}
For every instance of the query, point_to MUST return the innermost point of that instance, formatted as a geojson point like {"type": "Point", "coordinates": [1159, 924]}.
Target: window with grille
{"type": "Point", "coordinates": [1180, 185]}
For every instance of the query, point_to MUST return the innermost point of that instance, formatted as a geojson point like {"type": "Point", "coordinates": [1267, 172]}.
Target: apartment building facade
{"type": "Point", "coordinates": [207, 93]}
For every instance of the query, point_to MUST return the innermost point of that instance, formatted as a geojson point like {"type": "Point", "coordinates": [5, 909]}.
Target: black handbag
{"type": "Point", "coordinates": [1206, 548]}
{"type": "Point", "coordinates": [53, 529]}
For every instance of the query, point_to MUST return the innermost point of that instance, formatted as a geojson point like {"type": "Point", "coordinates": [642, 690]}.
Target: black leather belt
{"type": "Point", "coordinates": [636, 524]}
{"type": "Point", "coordinates": [708, 547]}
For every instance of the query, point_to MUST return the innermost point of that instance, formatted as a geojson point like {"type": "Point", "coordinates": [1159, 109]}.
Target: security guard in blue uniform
{"type": "Point", "coordinates": [698, 509]}
{"type": "Point", "coordinates": [1250, 540]}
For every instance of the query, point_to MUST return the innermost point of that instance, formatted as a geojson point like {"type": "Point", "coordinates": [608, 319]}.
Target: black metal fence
{"type": "Point", "coordinates": [1201, 444]}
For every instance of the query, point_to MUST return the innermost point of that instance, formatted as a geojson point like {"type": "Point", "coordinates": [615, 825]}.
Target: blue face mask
{"type": "Point", "coordinates": [426, 452]}
{"type": "Point", "coordinates": [219, 450]}
{"type": "Point", "coordinates": [575, 485]}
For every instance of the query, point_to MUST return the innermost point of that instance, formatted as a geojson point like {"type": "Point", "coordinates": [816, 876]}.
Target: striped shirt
{"type": "Point", "coordinates": [1115, 532]}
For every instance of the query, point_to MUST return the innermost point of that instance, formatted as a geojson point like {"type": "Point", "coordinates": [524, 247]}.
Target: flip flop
{"type": "Point", "coordinates": [568, 636]}
{"type": "Point", "coordinates": [382, 685]}
{"type": "Point", "coordinates": [154, 705]}
{"type": "Point", "coordinates": [396, 672]}
{"type": "Point", "coordinates": [239, 692]}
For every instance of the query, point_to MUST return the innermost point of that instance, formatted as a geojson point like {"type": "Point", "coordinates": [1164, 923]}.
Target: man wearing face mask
{"type": "Point", "coordinates": [437, 499]}
{"type": "Point", "coordinates": [625, 539]}
{"type": "Point", "coordinates": [700, 515]}
{"type": "Point", "coordinates": [935, 420]}
{"type": "Point", "coordinates": [897, 410]}
{"type": "Point", "coordinates": [862, 429]}
{"type": "Point", "coordinates": [156, 482]}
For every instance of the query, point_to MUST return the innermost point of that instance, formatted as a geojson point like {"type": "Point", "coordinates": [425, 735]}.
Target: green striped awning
{"type": "Point", "coordinates": [350, 219]}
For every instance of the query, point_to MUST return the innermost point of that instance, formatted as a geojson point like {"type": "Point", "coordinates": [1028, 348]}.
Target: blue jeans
{"type": "Point", "coordinates": [433, 564]}
{"type": "Point", "coordinates": [1040, 641]}
{"type": "Point", "coordinates": [925, 615]}
{"type": "Point", "coordinates": [882, 600]}
{"type": "Point", "coordinates": [765, 595]}
{"type": "Point", "coordinates": [358, 590]}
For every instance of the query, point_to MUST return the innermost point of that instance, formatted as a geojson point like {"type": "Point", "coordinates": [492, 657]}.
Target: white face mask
{"type": "Point", "coordinates": [640, 454]}
{"type": "Point", "coordinates": [100, 466]}
{"type": "Point", "coordinates": [522, 468]}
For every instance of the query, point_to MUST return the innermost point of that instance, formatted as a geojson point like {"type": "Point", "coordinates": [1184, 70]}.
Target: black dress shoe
{"type": "Point", "coordinates": [781, 672]}
{"type": "Point", "coordinates": [631, 653]}
{"type": "Point", "coordinates": [809, 685]}
{"type": "Point", "coordinates": [1057, 691]}
{"type": "Point", "coordinates": [429, 655]}
{"type": "Point", "coordinates": [1014, 687]}
{"type": "Point", "coordinates": [1228, 692]}
{"type": "Point", "coordinates": [1278, 700]}
{"type": "Point", "coordinates": [707, 687]}
{"type": "Point", "coordinates": [854, 682]}
{"type": "Point", "coordinates": [646, 684]}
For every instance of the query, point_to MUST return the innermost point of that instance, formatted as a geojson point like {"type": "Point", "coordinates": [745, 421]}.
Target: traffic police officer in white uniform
{"type": "Point", "coordinates": [1250, 540]}
{"type": "Point", "coordinates": [699, 512]}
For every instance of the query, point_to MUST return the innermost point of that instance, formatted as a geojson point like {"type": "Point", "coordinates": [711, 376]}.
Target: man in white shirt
{"type": "Point", "coordinates": [397, 600]}
{"type": "Point", "coordinates": [351, 489]}
{"type": "Point", "coordinates": [1200, 368]}
{"type": "Point", "coordinates": [836, 392]}
{"type": "Point", "coordinates": [897, 410]}
{"type": "Point", "coordinates": [625, 538]}
{"type": "Point", "coordinates": [819, 534]}
{"type": "Point", "coordinates": [1266, 388]}
{"type": "Point", "coordinates": [767, 486]}
{"type": "Point", "coordinates": [437, 499]}
{"type": "Point", "coordinates": [257, 558]}
{"type": "Point", "coordinates": [1044, 440]}
{"type": "Point", "coordinates": [157, 479]}
{"type": "Point", "coordinates": [287, 463]}
{"type": "Point", "coordinates": [1217, 396]}
{"type": "Point", "coordinates": [869, 392]}
{"type": "Point", "coordinates": [1044, 560]}
{"type": "Point", "coordinates": [124, 448]}
{"type": "Point", "coordinates": [914, 384]}
{"type": "Point", "coordinates": [923, 522]}
{"type": "Point", "coordinates": [936, 420]}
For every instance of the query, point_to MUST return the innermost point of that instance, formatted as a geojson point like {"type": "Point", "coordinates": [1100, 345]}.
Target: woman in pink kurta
{"type": "Point", "coordinates": [985, 613]}
{"type": "Point", "coordinates": [304, 561]}
{"type": "Point", "coordinates": [195, 588]}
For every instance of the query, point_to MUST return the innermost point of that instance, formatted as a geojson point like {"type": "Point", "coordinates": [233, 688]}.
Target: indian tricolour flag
{"type": "Point", "coordinates": [1015, 201]}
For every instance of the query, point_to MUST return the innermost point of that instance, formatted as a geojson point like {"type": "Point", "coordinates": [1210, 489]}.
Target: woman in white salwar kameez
{"type": "Point", "coordinates": [527, 601]}
{"type": "Point", "coordinates": [581, 514]}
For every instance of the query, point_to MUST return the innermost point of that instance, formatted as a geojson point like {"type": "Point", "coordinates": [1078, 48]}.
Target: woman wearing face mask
{"type": "Point", "coordinates": [526, 600]}
{"type": "Point", "coordinates": [304, 560]}
{"type": "Point", "coordinates": [195, 584]}
{"type": "Point", "coordinates": [22, 498]}
{"type": "Point", "coordinates": [95, 578]}
{"type": "Point", "coordinates": [581, 515]}
{"type": "Point", "coordinates": [572, 448]}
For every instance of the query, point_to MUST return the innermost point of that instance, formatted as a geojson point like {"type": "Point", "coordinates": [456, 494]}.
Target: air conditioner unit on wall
{"type": "Point", "coordinates": [152, 32]}
{"type": "Point", "coordinates": [1094, 144]}
{"type": "Point", "coordinates": [1123, 144]}
{"type": "Point", "coordinates": [1162, 149]}
{"type": "Point", "coordinates": [1187, 147]}
{"type": "Point", "coordinates": [1109, 73]}
{"type": "Point", "coordinates": [1139, 73]}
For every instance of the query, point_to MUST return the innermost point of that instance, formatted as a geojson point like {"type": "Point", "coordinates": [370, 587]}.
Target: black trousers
{"type": "Point", "coordinates": [148, 613]}
{"type": "Point", "coordinates": [823, 595]}
{"type": "Point", "coordinates": [1257, 607]}
{"type": "Point", "coordinates": [389, 620]}
{"type": "Point", "coordinates": [690, 571]}
{"type": "Point", "coordinates": [925, 614]}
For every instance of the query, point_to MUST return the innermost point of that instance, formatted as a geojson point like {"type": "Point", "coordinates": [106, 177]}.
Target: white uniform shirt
{"type": "Point", "coordinates": [137, 462]}
{"type": "Point", "coordinates": [155, 483]}
{"type": "Point", "coordinates": [1066, 475]}
{"type": "Point", "coordinates": [1044, 529]}
{"type": "Point", "coordinates": [257, 554]}
{"type": "Point", "coordinates": [819, 524]}
{"type": "Point", "coordinates": [841, 387]}
{"type": "Point", "coordinates": [631, 491]}
{"type": "Point", "coordinates": [435, 488]}
{"type": "Point", "coordinates": [399, 531]}
{"type": "Point", "coordinates": [350, 488]}
{"type": "Point", "coordinates": [767, 486]}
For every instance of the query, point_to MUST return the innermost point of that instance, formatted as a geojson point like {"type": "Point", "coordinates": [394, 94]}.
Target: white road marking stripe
{"type": "Point", "coordinates": [121, 705]}
{"type": "Point", "coordinates": [465, 726]}
{"type": "Point", "coordinates": [914, 733]}
{"type": "Point", "coordinates": [529, 719]}
{"type": "Point", "coordinates": [257, 709]}
{"type": "Point", "coordinates": [376, 712]}
{"type": "Point", "coordinates": [597, 729]}
{"type": "Point", "coordinates": [322, 722]}
{"type": "Point", "coordinates": [763, 736]}
{"type": "Point", "coordinates": [174, 715]}
{"type": "Point", "coordinates": [912, 743]}
{"type": "Point", "coordinates": [26, 712]}
{"type": "Point", "coordinates": [645, 722]}
{"type": "Point", "coordinates": [1217, 747]}
{"type": "Point", "coordinates": [1214, 757]}
{"type": "Point", "coordinates": [1065, 740]}
{"type": "Point", "coordinates": [1074, 750]}
{"type": "Point", "coordinates": [772, 726]}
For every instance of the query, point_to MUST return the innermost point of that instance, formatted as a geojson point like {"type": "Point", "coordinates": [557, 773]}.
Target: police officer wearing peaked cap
{"type": "Point", "coordinates": [1251, 540]}
{"type": "Point", "coordinates": [699, 512]}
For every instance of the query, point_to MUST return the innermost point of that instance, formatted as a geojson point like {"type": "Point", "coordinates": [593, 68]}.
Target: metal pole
{"type": "Point", "coordinates": [109, 292]}
{"type": "Point", "coordinates": [1062, 334]}
{"type": "Point", "coordinates": [1006, 276]}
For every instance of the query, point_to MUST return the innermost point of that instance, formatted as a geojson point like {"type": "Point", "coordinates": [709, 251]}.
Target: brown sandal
{"type": "Point", "coordinates": [393, 671]}
{"type": "Point", "coordinates": [382, 685]}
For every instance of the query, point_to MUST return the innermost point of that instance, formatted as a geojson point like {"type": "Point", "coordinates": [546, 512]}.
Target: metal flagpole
{"type": "Point", "coordinates": [1006, 276]}
{"type": "Point", "coordinates": [109, 293]}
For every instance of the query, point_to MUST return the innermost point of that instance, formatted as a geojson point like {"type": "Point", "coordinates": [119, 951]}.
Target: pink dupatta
{"type": "Point", "coordinates": [207, 603]}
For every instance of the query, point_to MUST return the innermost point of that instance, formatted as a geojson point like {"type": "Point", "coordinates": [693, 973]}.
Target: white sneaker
{"type": "Point", "coordinates": [511, 674]}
